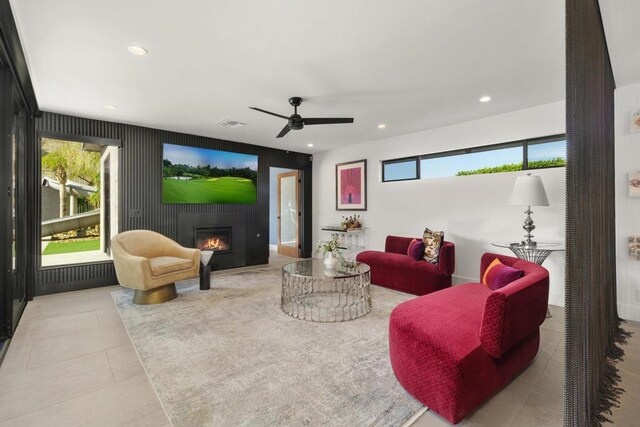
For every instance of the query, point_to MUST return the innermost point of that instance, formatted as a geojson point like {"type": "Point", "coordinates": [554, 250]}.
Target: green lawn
{"type": "Point", "coordinates": [72, 246]}
{"type": "Point", "coordinates": [213, 190]}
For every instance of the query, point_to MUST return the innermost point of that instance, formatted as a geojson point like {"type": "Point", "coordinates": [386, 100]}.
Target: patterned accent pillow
{"type": "Point", "coordinates": [416, 249]}
{"type": "Point", "coordinates": [498, 275]}
{"type": "Point", "coordinates": [432, 242]}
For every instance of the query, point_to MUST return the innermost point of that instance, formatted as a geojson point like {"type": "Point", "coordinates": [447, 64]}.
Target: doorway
{"type": "Point", "coordinates": [285, 212]}
{"type": "Point", "coordinates": [289, 214]}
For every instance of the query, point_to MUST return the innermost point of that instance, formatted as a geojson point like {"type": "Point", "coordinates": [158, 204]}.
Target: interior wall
{"type": "Point", "coordinates": [627, 99]}
{"type": "Point", "coordinates": [472, 210]}
{"type": "Point", "coordinates": [141, 206]}
{"type": "Point", "coordinates": [273, 204]}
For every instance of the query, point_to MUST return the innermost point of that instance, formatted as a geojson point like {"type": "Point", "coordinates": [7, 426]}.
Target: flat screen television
{"type": "Point", "coordinates": [201, 175]}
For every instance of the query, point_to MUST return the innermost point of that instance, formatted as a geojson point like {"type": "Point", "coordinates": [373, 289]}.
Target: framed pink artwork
{"type": "Point", "coordinates": [351, 186]}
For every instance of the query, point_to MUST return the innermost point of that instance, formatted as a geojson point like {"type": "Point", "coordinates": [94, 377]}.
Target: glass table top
{"type": "Point", "coordinates": [542, 246]}
{"type": "Point", "coordinates": [316, 268]}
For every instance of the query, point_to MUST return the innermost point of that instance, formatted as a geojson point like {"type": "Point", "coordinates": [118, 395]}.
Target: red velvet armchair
{"type": "Point", "coordinates": [394, 269]}
{"type": "Point", "coordinates": [454, 349]}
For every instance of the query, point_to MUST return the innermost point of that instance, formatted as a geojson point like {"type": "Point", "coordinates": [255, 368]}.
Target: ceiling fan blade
{"type": "Point", "coordinates": [326, 121]}
{"type": "Point", "coordinates": [285, 130]}
{"type": "Point", "coordinates": [269, 112]}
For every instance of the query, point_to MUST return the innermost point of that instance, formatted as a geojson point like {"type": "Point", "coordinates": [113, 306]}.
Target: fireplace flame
{"type": "Point", "coordinates": [214, 243]}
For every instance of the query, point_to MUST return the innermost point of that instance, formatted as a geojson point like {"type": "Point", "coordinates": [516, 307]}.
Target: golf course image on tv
{"type": "Point", "coordinates": [202, 175]}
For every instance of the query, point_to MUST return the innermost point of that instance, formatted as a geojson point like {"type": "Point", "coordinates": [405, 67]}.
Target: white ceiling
{"type": "Point", "coordinates": [412, 64]}
{"type": "Point", "coordinates": [622, 30]}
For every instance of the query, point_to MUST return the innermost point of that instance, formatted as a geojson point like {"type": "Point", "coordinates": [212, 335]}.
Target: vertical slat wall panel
{"type": "Point", "coordinates": [592, 323]}
{"type": "Point", "coordinates": [141, 188]}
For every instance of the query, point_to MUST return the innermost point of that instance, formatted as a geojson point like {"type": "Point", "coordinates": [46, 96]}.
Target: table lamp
{"type": "Point", "coordinates": [529, 191]}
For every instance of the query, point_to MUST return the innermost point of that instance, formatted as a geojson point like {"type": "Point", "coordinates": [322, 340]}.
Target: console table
{"type": "Point", "coordinates": [351, 241]}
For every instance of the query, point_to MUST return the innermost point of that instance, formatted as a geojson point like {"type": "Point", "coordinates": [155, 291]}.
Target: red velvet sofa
{"type": "Point", "coordinates": [394, 269]}
{"type": "Point", "coordinates": [452, 350]}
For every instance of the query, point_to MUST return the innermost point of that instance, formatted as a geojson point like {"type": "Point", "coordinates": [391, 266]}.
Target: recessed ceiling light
{"type": "Point", "coordinates": [137, 50]}
{"type": "Point", "coordinates": [111, 107]}
{"type": "Point", "coordinates": [382, 126]}
{"type": "Point", "coordinates": [485, 98]}
{"type": "Point", "coordinates": [309, 145]}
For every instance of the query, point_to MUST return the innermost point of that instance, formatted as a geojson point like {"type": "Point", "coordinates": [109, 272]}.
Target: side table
{"type": "Point", "coordinates": [205, 277]}
{"type": "Point", "coordinates": [205, 270]}
{"type": "Point", "coordinates": [533, 253]}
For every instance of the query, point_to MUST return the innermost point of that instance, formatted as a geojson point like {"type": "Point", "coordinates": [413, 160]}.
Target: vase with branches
{"type": "Point", "coordinates": [330, 250]}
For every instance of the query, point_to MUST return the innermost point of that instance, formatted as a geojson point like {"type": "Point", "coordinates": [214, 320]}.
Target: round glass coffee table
{"type": "Point", "coordinates": [314, 292]}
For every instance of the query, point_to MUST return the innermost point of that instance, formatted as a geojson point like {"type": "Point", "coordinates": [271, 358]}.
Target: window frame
{"type": "Point", "coordinates": [73, 137]}
{"type": "Point", "coordinates": [416, 159]}
{"type": "Point", "coordinates": [537, 141]}
{"type": "Point", "coordinates": [523, 143]}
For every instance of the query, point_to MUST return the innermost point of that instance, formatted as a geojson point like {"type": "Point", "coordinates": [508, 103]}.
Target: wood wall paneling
{"type": "Point", "coordinates": [140, 181]}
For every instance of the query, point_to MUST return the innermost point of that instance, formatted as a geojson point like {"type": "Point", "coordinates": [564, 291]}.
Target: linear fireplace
{"type": "Point", "coordinates": [216, 239]}
{"type": "Point", "coordinates": [224, 233]}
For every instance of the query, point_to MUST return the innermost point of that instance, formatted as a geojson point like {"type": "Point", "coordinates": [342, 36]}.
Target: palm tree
{"type": "Point", "coordinates": [68, 161]}
{"type": "Point", "coordinates": [57, 162]}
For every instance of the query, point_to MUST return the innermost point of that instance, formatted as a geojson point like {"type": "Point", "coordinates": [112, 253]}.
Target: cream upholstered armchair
{"type": "Point", "coordinates": [151, 263]}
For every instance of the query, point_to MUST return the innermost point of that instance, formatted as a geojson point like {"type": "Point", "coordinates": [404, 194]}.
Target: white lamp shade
{"type": "Point", "coordinates": [529, 191]}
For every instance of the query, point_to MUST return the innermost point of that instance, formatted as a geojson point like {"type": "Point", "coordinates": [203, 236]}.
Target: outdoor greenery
{"type": "Point", "coordinates": [206, 184]}
{"type": "Point", "coordinates": [536, 164]}
{"type": "Point", "coordinates": [68, 161]}
{"type": "Point", "coordinates": [204, 172]}
{"type": "Point", "coordinates": [71, 246]}
{"type": "Point", "coordinates": [226, 189]}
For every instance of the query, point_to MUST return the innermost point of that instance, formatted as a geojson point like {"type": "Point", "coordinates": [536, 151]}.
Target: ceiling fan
{"type": "Point", "coordinates": [297, 122]}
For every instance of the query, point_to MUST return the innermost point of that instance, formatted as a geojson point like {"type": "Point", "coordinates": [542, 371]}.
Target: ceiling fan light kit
{"type": "Point", "coordinates": [297, 122]}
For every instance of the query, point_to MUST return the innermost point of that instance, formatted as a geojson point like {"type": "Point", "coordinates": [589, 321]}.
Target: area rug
{"type": "Point", "coordinates": [230, 356]}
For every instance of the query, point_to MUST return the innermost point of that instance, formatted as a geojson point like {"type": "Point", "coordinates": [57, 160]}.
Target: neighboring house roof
{"type": "Point", "coordinates": [74, 188]}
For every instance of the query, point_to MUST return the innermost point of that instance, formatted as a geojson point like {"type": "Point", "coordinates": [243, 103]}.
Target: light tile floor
{"type": "Point", "coordinates": [535, 398]}
{"type": "Point", "coordinates": [71, 363]}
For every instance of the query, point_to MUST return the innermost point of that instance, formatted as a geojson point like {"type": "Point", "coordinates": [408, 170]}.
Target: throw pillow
{"type": "Point", "coordinates": [498, 275]}
{"type": "Point", "coordinates": [416, 250]}
{"type": "Point", "coordinates": [432, 242]}
{"type": "Point", "coordinates": [409, 247]}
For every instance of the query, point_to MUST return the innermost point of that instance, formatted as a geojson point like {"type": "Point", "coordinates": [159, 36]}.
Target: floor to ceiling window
{"type": "Point", "coordinates": [18, 140]}
{"type": "Point", "coordinates": [13, 134]}
{"type": "Point", "coordinates": [76, 201]}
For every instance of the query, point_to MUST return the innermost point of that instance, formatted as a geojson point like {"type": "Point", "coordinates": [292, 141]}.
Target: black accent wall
{"type": "Point", "coordinates": [140, 188]}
